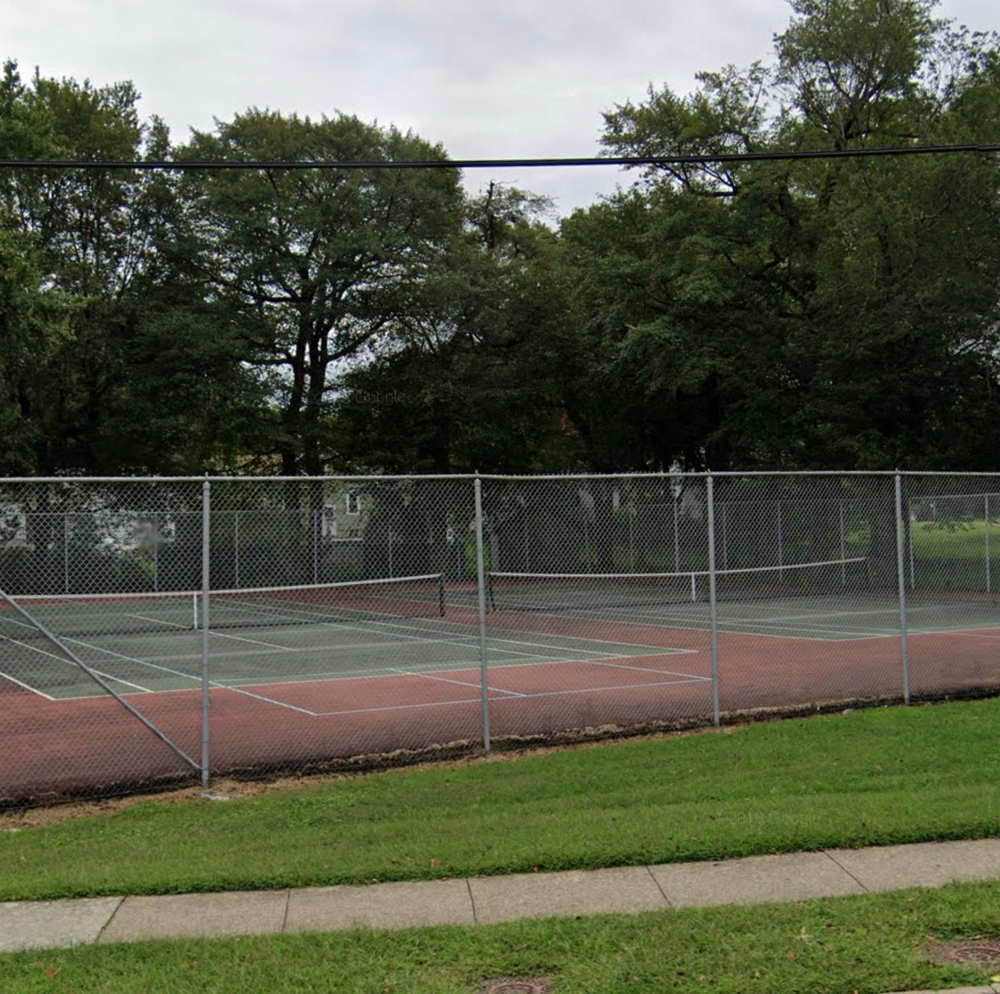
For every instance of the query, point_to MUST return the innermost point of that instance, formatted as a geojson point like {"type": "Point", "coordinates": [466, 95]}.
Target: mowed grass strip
{"type": "Point", "coordinates": [868, 777]}
{"type": "Point", "coordinates": [874, 943]}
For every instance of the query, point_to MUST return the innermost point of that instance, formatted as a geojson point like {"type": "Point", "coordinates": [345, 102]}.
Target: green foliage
{"type": "Point", "coordinates": [108, 362]}
{"type": "Point", "coordinates": [316, 270]}
{"type": "Point", "coordinates": [476, 385]}
{"type": "Point", "coordinates": [823, 313]}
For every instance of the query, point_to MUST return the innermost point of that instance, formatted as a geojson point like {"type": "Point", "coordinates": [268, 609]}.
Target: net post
{"type": "Point", "coordinates": [901, 580]}
{"type": "Point", "coordinates": [713, 602]}
{"type": "Point", "coordinates": [206, 583]}
{"type": "Point", "coordinates": [481, 603]}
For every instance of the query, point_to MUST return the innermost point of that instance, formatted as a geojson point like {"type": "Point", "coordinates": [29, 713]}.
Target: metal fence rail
{"type": "Point", "coordinates": [156, 630]}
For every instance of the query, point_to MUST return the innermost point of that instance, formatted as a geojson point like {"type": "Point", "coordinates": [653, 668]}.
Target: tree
{"type": "Point", "coordinates": [315, 269]}
{"type": "Point", "coordinates": [478, 384]}
{"type": "Point", "coordinates": [807, 313]}
{"type": "Point", "coordinates": [92, 308]}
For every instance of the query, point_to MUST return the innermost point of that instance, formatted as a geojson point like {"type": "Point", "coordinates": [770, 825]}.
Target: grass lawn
{"type": "Point", "coordinates": [875, 776]}
{"type": "Point", "coordinates": [956, 540]}
{"type": "Point", "coordinates": [874, 943]}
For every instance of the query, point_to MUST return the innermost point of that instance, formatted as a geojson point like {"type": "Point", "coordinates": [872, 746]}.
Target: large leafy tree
{"type": "Point", "coordinates": [92, 312]}
{"type": "Point", "coordinates": [315, 268]}
{"type": "Point", "coordinates": [825, 313]}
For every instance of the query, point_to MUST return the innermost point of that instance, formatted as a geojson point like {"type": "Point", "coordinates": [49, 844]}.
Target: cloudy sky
{"type": "Point", "coordinates": [518, 78]}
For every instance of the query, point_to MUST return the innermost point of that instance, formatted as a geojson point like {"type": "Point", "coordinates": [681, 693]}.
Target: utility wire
{"type": "Point", "coordinates": [626, 160]}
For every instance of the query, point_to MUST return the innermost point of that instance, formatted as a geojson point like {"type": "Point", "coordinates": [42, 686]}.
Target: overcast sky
{"type": "Point", "coordinates": [518, 78]}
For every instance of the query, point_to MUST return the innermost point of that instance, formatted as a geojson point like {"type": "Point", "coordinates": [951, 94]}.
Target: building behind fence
{"type": "Point", "coordinates": [154, 631]}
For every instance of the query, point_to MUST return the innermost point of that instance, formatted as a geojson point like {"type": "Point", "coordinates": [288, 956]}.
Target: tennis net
{"type": "Point", "coordinates": [83, 615]}
{"type": "Point", "coordinates": [608, 591]}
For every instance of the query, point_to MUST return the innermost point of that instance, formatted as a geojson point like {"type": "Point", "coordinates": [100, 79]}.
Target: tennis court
{"type": "Point", "coordinates": [160, 631]}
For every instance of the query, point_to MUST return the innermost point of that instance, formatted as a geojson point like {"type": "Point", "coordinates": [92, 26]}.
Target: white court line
{"type": "Point", "coordinates": [891, 611]}
{"type": "Point", "coordinates": [471, 643]}
{"type": "Point", "coordinates": [240, 638]}
{"type": "Point", "coordinates": [433, 666]}
{"type": "Point", "coordinates": [28, 687]}
{"type": "Point", "coordinates": [460, 640]}
{"type": "Point", "coordinates": [438, 666]}
{"type": "Point", "coordinates": [67, 662]}
{"type": "Point", "coordinates": [458, 683]}
{"type": "Point", "coordinates": [607, 662]}
{"type": "Point", "coordinates": [971, 633]}
{"type": "Point", "coordinates": [475, 700]}
{"type": "Point", "coordinates": [657, 649]}
{"type": "Point", "coordinates": [571, 638]}
{"type": "Point", "coordinates": [142, 662]}
{"type": "Point", "coordinates": [269, 700]}
{"type": "Point", "coordinates": [683, 625]}
{"type": "Point", "coordinates": [419, 623]}
{"type": "Point", "coordinates": [159, 621]}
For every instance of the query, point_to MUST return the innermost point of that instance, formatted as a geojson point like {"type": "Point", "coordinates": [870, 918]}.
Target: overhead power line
{"type": "Point", "coordinates": [618, 160]}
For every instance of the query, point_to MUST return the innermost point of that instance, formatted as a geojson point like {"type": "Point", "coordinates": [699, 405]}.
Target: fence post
{"type": "Point", "coordinates": [481, 598]}
{"type": "Point", "coordinates": [316, 537]}
{"type": "Point", "coordinates": [913, 574]}
{"type": "Point", "coordinates": [713, 602]}
{"type": "Point", "coordinates": [781, 545]}
{"type": "Point", "coordinates": [986, 508]}
{"type": "Point", "coordinates": [677, 539]}
{"type": "Point", "coordinates": [901, 582]}
{"type": "Point", "coordinates": [725, 538]}
{"type": "Point", "coordinates": [843, 547]}
{"type": "Point", "coordinates": [206, 584]}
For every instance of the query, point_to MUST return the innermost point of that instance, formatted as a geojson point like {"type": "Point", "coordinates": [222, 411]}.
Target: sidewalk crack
{"type": "Point", "coordinates": [284, 917]}
{"type": "Point", "coordinates": [649, 870]}
{"type": "Point", "coordinates": [836, 862]}
{"type": "Point", "coordinates": [472, 901]}
{"type": "Point", "coordinates": [111, 918]}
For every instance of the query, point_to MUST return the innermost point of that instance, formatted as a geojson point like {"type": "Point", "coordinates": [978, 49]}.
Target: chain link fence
{"type": "Point", "coordinates": [164, 631]}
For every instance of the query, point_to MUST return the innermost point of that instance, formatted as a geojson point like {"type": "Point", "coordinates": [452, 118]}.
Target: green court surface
{"type": "Point", "coordinates": [145, 663]}
{"type": "Point", "coordinates": [825, 618]}
{"type": "Point", "coordinates": [164, 652]}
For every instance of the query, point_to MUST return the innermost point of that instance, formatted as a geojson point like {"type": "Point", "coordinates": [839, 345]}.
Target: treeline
{"type": "Point", "coordinates": [821, 313]}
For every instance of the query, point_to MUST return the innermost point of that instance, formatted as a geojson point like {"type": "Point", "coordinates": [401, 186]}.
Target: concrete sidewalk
{"type": "Point", "coordinates": [486, 900]}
